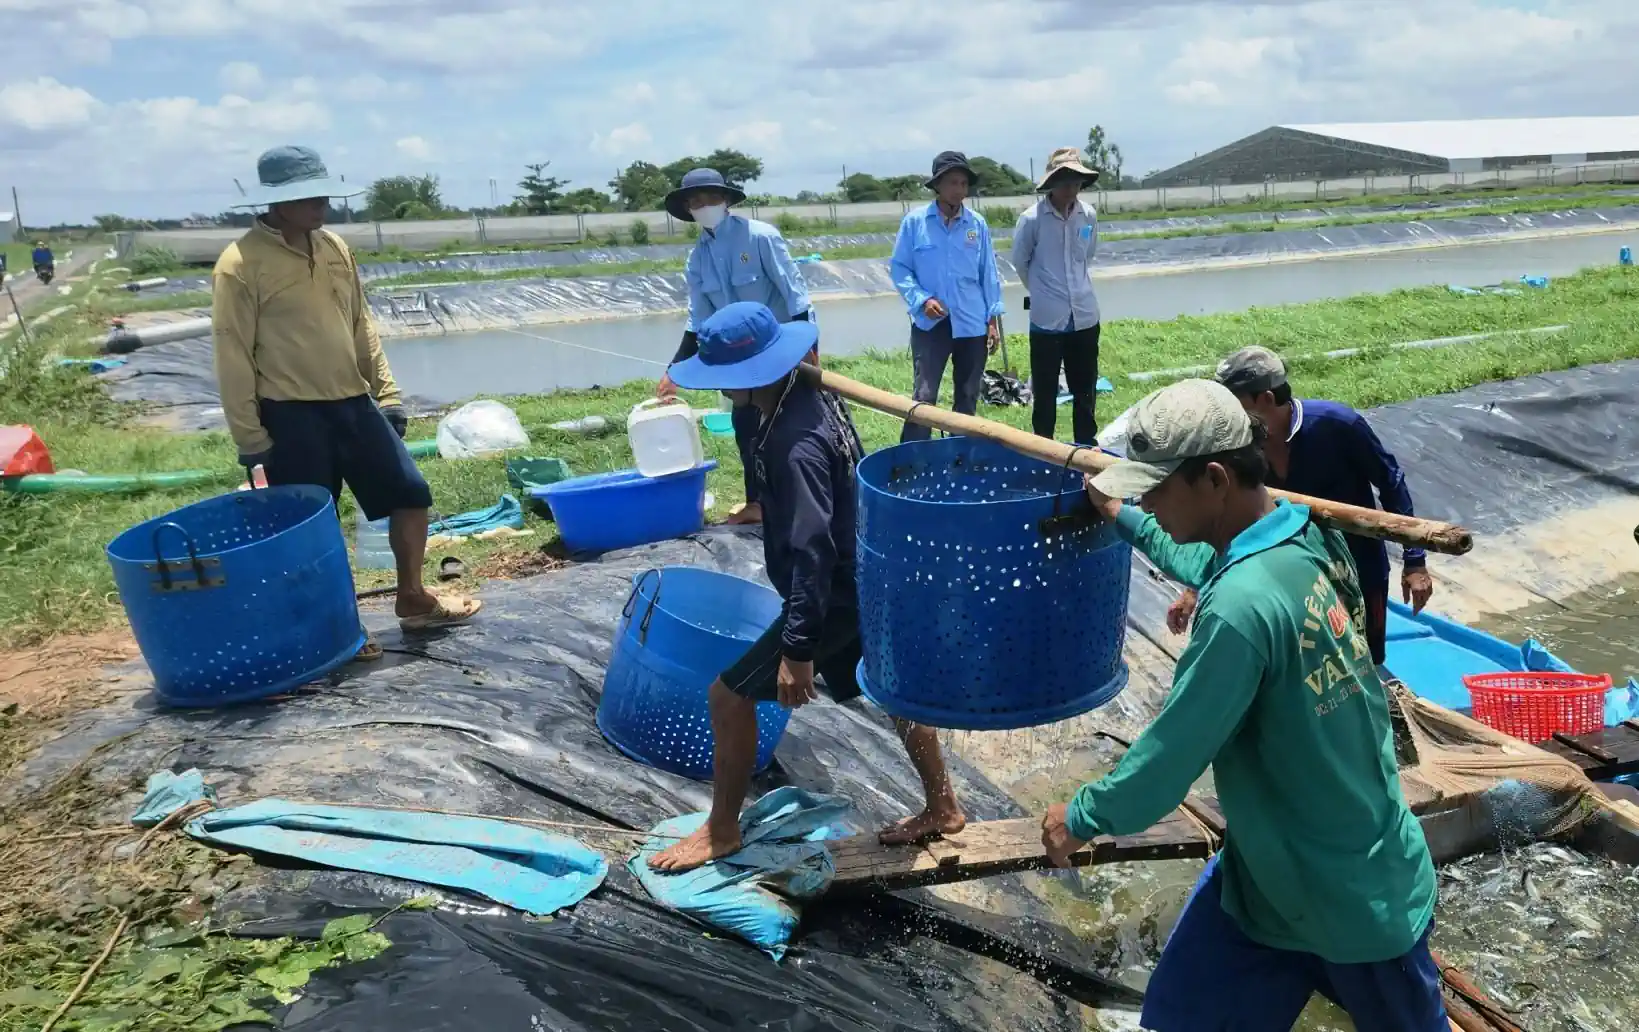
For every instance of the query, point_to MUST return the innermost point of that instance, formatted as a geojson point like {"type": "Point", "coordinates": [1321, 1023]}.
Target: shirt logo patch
{"type": "Point", "coordinates": [745, 258]}
{"type": "Point", "coordinates": [972, 236]}
{"type": "Point", "coordinates": [1338, 617]}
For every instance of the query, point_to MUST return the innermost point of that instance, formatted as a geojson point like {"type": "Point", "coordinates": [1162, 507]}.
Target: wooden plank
{"type": "Point", "coordinates": [1586, 746]}
{"type": "Point", "coordinates": [1602, 755]}
{"type": "Point", "coordinates": [989, 848]}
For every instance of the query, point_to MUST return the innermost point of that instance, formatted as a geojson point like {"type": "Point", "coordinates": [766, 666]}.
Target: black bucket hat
{"type": "Point", "coordinates": [948, 160]}
{"type": "Point", "coordinates": [677, 202]}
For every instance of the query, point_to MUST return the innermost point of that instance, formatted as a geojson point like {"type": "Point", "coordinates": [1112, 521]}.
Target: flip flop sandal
{"type": "Point", "coordinates": [369, 652]}
{"type": "Point", "coordinates": [447, 613]}
{"type": "Point", "coordinates": [451, 568]}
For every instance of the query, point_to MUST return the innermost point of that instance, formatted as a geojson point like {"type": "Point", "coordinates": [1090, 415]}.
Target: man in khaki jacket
{"type": "Point", "coordinates": [304, 382]}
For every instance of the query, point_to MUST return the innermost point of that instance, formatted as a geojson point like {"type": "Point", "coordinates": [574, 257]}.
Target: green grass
{"type": "Point", "coordinates": [54, 578]}
{"type": "Point", "coordinates": [842, 253]}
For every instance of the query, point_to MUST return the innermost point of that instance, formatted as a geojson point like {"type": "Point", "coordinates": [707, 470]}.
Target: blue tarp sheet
{"type": "Point", "coordinates": [755, 893]}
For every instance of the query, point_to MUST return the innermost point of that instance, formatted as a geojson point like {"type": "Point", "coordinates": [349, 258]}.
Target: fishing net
{"type": "Point", "coordinates": [1531, 794]}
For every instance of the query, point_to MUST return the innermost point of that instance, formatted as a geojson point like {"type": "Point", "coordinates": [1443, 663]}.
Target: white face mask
{"type": "Point", "coordinates": [711, 216]}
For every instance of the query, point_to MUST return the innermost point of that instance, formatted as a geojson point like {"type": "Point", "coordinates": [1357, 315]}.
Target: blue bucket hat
{"type": "Point", "coordinates": [293, 174]}
{"type": "Point", "coordinates": [743, 347]}
{"type": "Point", "coordinates": [677, 202]}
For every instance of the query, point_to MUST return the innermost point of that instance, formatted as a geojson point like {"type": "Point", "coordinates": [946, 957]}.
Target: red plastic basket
{"type": "Point", "coordinates": [1534, 707]}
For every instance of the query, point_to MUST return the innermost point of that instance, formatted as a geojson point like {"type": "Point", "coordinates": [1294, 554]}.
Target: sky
{"type": "Point", "coordinates": [151, 108]}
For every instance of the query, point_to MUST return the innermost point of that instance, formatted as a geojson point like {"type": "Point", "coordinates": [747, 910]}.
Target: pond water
{"type": "Point", "coordinates": [603, 352]}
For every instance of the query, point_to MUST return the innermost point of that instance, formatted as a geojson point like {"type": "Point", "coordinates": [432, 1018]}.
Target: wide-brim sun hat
{"type": "Point", "coordinates": [287, 174]}
{"type": "Point", "coordinates": [1066, 161]}
{"type": "Point", "coordinates": [949, 161]}
{"type": "Point", "coordinates": [743, 347]}
{"type": "Point", "coordinates": [677, 202]}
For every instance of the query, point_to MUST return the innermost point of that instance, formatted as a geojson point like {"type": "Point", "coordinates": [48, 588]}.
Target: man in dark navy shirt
{"type": "Point", "coordinates": [803, 455]}
{"type": "Point", "coordinates": [1327, 450]}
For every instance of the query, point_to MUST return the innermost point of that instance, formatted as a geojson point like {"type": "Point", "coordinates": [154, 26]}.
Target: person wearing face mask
{"type": "Point", "coordinates": [735, 259]}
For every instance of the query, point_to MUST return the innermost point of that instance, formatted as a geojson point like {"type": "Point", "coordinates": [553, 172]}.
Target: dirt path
{"type": "Point", "coordinates": [41, 685]}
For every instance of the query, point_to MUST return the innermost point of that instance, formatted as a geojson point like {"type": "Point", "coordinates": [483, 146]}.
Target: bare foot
{"type": "Point", "coordinates": [697, 850]}
{"type": "Point", "coordinates": [929, 824]}
{"type": "Point", "coordinates": [748, 514]}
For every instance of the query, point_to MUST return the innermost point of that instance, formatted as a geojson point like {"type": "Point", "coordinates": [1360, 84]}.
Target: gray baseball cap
{"type": "Point", "coordinates": [1190, 419]}
{"type": "Point", "coordinates": [1252, 371]}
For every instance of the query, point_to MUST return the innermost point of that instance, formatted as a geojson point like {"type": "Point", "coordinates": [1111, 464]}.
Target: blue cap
{"type": "Point", "coordinates": [743, 347]}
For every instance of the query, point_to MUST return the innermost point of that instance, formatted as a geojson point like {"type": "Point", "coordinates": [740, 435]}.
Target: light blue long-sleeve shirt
{"type": "Point", "coordinates": [955, 263]}
{"type": "Point", "coordinates": [743, 260]}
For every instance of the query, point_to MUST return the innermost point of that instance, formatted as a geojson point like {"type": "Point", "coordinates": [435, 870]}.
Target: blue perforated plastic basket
{"type": "Point", "coordinates": [682, 627]}
{"type": "Point", "coordinates": [991, 595]}
{"type": "Point", "coordinates": [239, 597]}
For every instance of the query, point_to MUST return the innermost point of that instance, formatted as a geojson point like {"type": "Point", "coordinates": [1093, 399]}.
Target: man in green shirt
{"type": "Point", "coordinates": [1325, 883]}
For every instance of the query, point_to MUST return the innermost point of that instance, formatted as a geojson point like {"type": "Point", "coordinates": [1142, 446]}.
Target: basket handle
{"type": "Point", "coordinates": [1058, 496]}
{"type": "Point", "coordinates": [193, 555]}
{"type": "Point", "coordinates": [631, 602]}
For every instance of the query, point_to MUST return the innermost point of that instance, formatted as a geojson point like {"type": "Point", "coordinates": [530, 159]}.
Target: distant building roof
{"type": "Point", "coordinates": [1491, 137]}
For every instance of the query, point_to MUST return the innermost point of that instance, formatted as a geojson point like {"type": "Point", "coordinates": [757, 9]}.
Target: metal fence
{"type": "Point", "coordinates": [204, 245]}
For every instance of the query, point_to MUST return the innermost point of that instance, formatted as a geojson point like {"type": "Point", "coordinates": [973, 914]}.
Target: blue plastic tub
{"type": "Point", "coordinates": [624, 509]}
{"type": "Point", "coordinates": [239, 597]}
{"type": "Point", "coordinates": [991, 595]}
{"type": "Point", "coordinates": [682, 627]}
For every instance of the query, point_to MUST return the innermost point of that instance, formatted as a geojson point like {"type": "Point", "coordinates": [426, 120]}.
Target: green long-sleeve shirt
{"type": "Point", "coordinates": [1277, 691]}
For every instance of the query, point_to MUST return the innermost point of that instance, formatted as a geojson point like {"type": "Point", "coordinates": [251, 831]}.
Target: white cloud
{"type": "Point", "coordinates": [415, 148]}
{"type": "Point", "coordinates": [635, 93]}
{"type": "Point", "coordinates": [876, 87]}
{"type": "Point", "coordinates": [1196, 92]}
{"type": "Point", "coordinates": [622, 141]}
{"type": "Point", "coordinates": [240, 77]}
{"type": "Point", "coordinates": [753, 135]}
{"type": "Point", "coordinates": [45, 105]}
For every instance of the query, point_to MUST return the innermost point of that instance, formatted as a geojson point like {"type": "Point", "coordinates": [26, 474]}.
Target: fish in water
{"type": "Point", "coordinates": [1529, 884]}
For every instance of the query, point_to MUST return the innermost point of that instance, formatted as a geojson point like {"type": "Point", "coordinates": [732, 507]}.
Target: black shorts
{"type": "Point", "coordinates": [756, 675]}
{"type": "Point", "coordinates": [330, 443]}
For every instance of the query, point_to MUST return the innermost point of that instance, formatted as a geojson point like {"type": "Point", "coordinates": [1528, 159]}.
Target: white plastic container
{"type": "Point", "coordinates": [371, 548]}
{"type": "Point", "coordinates": [664, 438]}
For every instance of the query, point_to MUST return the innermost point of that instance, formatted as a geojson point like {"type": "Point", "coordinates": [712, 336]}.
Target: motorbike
{"type": "Point", "coordinates": [45, 272]}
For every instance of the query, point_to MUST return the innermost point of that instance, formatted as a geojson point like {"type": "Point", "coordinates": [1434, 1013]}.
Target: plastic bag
{"type": "Point", "coordinates": [480, 428]}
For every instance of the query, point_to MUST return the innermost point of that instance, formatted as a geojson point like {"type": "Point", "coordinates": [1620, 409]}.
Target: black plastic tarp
{"type": "Point", "coordinates": [802, 245]}
{"type": "Point", "coordinates": [498, 717]}
{"type": "Point", "coordinates": [1496, 458]}
{"type": "Point", "coordinates": [511, 302]}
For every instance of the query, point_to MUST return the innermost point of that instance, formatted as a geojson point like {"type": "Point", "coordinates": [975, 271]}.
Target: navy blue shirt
{"type": "Point", "coordinates": [1335, 455]}
{"type": "Point", "coordinates": [805, 458]}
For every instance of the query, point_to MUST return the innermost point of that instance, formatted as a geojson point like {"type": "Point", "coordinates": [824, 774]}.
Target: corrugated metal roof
{"type": "Point", "coordinates": [1492, 137]}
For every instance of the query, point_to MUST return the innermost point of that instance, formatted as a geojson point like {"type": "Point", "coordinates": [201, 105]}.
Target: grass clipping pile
{"type": "Point", "coordinates": [104, 926]}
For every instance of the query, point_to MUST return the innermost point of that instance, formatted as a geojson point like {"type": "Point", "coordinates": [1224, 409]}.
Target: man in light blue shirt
{"type": "Point", "coordinates": [944, 266]}
{"type": "Point", "coordinates": [1053, 245]}
{"type": "Point", "coordinates": [735, 259]}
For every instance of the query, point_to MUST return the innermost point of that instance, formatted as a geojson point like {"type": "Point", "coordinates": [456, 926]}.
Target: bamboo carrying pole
{"type": "Point", "coordinates": [1432, 535]}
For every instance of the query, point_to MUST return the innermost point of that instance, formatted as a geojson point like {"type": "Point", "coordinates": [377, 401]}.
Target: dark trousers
{"type": "Point", "coordinates": [331, 443]}
{"type": "Point", "coordinates": [1076, 350]}
{"type": "Point", "coordinates": [931, 351]}
{"type": "Point", "coordinates": [1377, 620]}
